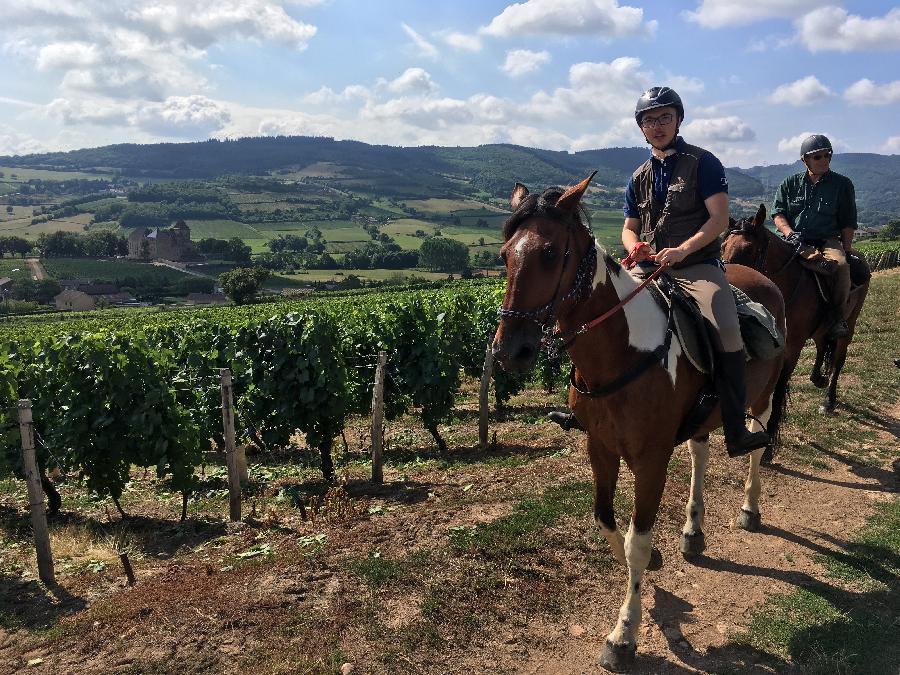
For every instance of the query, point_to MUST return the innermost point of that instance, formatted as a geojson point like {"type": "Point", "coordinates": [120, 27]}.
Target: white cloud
{"type": "Point", "coordinates": [13, 142]}
{"type": "Point", "coordinates": [603, 18]}
{"type": "Point", "coordinates": [423, 47]}
{"type": "Point", "coordinates": [834, 29]}
{"type": "Point", "coordinates": [89, 111]}
{"type": "Point", "coordinates": [204, 22]}
{"type": "Point", "coordinates": [866, 92]}
{"type": "Point", "coordinates": [413, 80]}
{"type": "Point", "coordinates": [520, 62]}
{"type": "Point", "coordinates": [805, 91]}
{"type": "Point", "coordinates": [720, 13]}
{"type": "Point", "coordinates": [463, 41]}
{"type": "Point", "coordinates": [182, 116]}
{"type": "Point", "coordinates": [327, 95]}
{"type": "Point", "coordinates": [892, 145]}
{"type": "Point", "coordinates": [716, 130]}
{"type": "Point", "coordinates": [146, 49]}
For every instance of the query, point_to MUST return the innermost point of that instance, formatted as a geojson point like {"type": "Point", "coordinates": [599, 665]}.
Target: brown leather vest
{"type": "Point", "coordinates": [671, 224]}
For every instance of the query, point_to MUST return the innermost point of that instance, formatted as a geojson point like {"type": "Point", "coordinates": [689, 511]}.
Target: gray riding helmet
{"type": "Point", "coordinates": [658, 97]}
{"type": "Point", "coordinates": [815, 143]}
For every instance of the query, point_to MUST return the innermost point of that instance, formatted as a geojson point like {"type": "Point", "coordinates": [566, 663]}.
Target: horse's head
{"type": "Point", "coordinates": [547, 252]}
{"type": "Point", "coordinates": [746, 240]}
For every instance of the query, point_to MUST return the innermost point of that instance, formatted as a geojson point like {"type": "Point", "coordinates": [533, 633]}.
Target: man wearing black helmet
{"type": "Point", "coordinates": [818, 207]}
{"type": "Point", "coordinates": [676, 206]}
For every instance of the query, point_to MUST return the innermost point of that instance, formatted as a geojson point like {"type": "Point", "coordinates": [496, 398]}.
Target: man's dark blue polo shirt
{"type": "Point", "coordinates": [710, 178]}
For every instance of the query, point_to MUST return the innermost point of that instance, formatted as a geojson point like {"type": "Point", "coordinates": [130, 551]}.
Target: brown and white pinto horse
{"type": "Point", "coordinates": [557, 274]}
{"type": "Point", "coordinates": [749, 243]}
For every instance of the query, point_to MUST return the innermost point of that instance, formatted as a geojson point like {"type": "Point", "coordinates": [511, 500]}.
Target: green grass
{"type": "Point", "coordinates": [221, 229]}
{"type": "Point", "coordinates": [7, 265]}
{"type": "Point", "coordinates": [87, 268]}
{"type": "Point", "coordinates": [830, 629]}
{"type": "Point", "coordinates": [12, 173]}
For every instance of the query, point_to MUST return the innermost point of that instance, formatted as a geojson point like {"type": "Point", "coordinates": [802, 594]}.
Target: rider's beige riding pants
{"type": "Point", "coordinates": [833, 249]}
{"type": "Point", "coordinates": [707, 285]}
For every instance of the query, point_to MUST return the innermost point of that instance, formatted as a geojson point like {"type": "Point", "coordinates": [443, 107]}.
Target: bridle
{"type": "Point", "coordinates": [585, 268]}
{"type": "Point", "coordinates": [760, 260]}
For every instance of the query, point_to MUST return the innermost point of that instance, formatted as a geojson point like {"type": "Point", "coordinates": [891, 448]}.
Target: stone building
{"type": "Point", "coordinates": [155, 243]}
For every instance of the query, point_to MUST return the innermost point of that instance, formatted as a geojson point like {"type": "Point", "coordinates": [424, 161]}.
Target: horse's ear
{"type": "Point", "coordinates": [518, 194]}
{"type": "Point", "coordinates": [570, 198]}
{"type": "Point", "coordinates": [731, 223]}
{"type": "Point", "coordinates": [759, 220]}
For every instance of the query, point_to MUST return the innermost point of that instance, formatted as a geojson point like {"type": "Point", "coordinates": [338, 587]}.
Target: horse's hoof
{"type": "Point", "coordinates": [827, 409]}
{"type": "Point", "coordinates": [818, 380]}
{"type": "Point", "coordinates": [749, 521]}
{"type": "Point", "coordinates": [656, 560]}
{"type": "Point", "coordinates": [693, 544]}
{"type": "Point", "coordinates": [617, 658]}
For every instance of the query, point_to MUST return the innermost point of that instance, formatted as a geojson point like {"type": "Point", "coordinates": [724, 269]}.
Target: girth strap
{"type": "Point", "coordinates": [659, 355]}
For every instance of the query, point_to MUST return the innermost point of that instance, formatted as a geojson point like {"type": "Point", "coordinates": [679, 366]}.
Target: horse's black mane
{"type": "Point", "coordinates": [545, 205]}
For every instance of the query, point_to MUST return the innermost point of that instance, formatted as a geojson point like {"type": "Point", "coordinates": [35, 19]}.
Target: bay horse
{"type": "Point", "coordinates": [750, 243]}
{"type": "Point", "coordinates": [557, 274]}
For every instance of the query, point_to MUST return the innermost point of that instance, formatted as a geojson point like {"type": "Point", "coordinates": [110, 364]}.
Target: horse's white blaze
{"type": "Point", "coordinates": [646, 321]}
{"type": "Point", "coordinates": [695, 511]}
{"type": "Point", "coordinates": [638, 547]}
{"type": "Point", "coordinates": [753, 485]}
{"type": "Point", "coordinates": [522, 244]}
{"type": "Point", "coordinates": [616, 541]}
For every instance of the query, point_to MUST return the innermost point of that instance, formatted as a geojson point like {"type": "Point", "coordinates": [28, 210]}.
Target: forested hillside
{"type": "Point", "coordinates": [430, 171]}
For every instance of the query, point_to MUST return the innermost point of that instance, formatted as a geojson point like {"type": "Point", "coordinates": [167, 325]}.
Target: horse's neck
{"type": "Point", "coordinates": [639, 325]}
{"type": "Point", "coordinates": [779, 266]}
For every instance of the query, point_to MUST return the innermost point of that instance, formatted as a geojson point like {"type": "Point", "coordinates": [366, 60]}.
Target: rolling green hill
{"type": "Point", "coordinates": [487, 172]}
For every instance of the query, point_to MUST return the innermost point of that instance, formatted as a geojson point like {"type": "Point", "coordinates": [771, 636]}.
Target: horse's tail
{"type": "Point", "coordinates": [780, 399]}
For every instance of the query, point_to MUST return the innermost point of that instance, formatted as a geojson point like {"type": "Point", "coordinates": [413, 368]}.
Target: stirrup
{"type": "Point", "coordinates": [838, 330]}
{"type": "Point", "coordinates": [567, 421]}
{"type": "Point", "coordinates": [747, 443]}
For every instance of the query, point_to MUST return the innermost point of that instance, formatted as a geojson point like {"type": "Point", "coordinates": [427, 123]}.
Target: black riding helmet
{"type": "Point", "coordinates": [658, 97]}
{"type": "Point", "coordinates": [815, 143]}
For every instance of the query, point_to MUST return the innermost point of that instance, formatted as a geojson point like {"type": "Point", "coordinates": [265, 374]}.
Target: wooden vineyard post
{"type": "Point", "coordinates": [35, 496]}
{"type": "Point", "coordinates": [483, 405]}
{"type": "Point", "coordinates": [234, 480]}
{"type": "Point", "coordinates": [378, 419]}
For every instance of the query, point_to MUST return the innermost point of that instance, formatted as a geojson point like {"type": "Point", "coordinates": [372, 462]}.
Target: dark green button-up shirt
{"type": "Point", "coordinates": [817, 210]}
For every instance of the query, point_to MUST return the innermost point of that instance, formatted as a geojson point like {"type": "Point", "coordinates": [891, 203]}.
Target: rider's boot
{"type": "Point", "coordinates": [731, 388]}
{"type": "Point", "coordinates": [838, 328]}
{"type": "Point", "coordinates": [566, 420]}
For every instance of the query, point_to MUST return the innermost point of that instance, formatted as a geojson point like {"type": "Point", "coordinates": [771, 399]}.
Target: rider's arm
{"type": "Point", "coordinates": [779, 208]}
{"type": "Point", "coordinates": [631, 233]}
{"type": "Point", "coordinates": [631, 230]}
{"type": "Point", "coordinates": [782, 224]}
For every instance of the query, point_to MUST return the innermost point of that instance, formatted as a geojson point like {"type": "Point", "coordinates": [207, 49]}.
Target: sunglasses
{"type": "Point", "coordinates": [819, 156]}
{"type": "Point", "coordinates": [651, 122]}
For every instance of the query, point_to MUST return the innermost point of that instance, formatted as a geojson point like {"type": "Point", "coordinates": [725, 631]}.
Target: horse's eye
{"type": "Point", "coordinates": [548, 254]}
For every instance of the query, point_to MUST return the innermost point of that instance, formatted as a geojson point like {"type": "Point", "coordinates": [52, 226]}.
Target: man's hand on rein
{"type": "Point", "coordinates": [669, 256]}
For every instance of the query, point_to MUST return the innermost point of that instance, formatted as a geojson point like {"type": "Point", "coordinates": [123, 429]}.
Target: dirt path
{"type": "Point", "coordinates": [37, 270]}
{"type": "Point", "coordinates": [691, 610]}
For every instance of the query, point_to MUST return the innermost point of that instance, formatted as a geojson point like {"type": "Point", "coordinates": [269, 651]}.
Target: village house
{"type": "Point", "coordinates": [91, 296]}
{"type": "Point", "coordinates": [162, 244]}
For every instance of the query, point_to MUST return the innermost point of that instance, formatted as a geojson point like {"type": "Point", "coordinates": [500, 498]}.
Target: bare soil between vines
{"type": "Point", "coordinates": [199, 606]}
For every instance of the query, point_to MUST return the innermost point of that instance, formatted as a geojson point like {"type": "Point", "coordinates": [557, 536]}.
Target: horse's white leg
{"type": "Point", "coordinates": [692, 540]}
{"type": "Point", "coordinates": [621, 645]}
{"type": "Point", "coordinates": [616, 541]}
{"type": "Point", "coordinates": [749, 518]}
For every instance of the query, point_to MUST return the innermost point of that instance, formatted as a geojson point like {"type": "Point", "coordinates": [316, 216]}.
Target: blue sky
{"type": "Point", "coordinates": [755, 76]}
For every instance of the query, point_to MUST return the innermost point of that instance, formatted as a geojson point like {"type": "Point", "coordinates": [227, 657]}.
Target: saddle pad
{"type": "Point", "coordinates": [762, 339]}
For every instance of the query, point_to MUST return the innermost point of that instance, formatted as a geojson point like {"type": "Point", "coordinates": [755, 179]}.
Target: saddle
{"type": "Point", "coordinates": [859, 274]}
{"type": "Point", "coordinates": [762, 339]}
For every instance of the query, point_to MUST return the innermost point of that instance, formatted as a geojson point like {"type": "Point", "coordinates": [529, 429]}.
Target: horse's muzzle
{"type": "Point", "coordinates": [517, 349]}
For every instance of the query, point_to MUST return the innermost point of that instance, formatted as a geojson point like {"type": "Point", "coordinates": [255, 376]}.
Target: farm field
{"type": "Point", "coordinates": [87, 268]}
{"type": "Point", "coordinates": [14, 268]}
{"type": "Point", "coordinates": [476, 561]}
